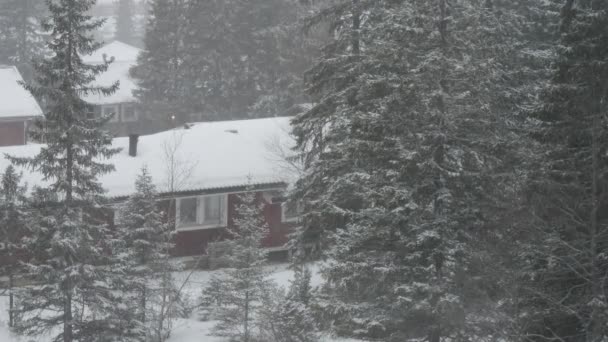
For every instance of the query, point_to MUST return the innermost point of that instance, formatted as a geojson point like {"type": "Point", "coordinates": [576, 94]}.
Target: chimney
{"type": "Point", "coordinates": [133, 138]}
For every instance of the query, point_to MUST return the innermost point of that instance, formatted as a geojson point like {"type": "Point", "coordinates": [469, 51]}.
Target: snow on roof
{"type": "Point", "coordinates": [120, 51]}
{"type": "Point", "coordinates": [209, 155]}
{"type": "Point", "coordinates": [15, 101]}
{"type": "Point", "coordinates": [125, 57]}
{"type": "Point", "coordinates": [117, 71]}
{"type": "Point", "coordinates": [111, 2]}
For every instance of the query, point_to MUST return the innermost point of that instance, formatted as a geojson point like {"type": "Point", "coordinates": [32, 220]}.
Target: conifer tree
{"type": "Point", "coordinates": [12, 228]}
{"type": "Point", "coordinates": [401, 179]}
{"type": "Point", "coordinates": [566, 266]}
{"type": "Point", "coordinates": [290, 317]}
{"type": "Point", "coordinates": [239, 290]}
{"type": "Point", "coordinates": [71, 263]}
{"type": "Point", "coordinates": [159, 70]}
{"type": "Point", "coordinates": [125, 29]}
{"type": "Point", "coordinates": [147, 241]}
{"type": "Point", "coordinates": [21, 36]}
{"type": "Point", "coordinates": [243, 58]}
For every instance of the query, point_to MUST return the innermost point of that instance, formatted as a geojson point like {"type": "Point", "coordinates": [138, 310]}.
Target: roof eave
{"type": "Point", "coordinates": [19, 118]}
{"type": "Point", "coordinates": [213, 190]}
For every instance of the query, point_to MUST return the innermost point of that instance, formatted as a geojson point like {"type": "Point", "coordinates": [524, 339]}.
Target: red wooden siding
{"type": "Point", "coordinates": [12, 133]}
{"type": "Point", "coordinates": [195, 242]}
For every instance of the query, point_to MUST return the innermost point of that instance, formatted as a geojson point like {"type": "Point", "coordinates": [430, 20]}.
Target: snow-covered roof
{"type": "Point", "coordinates": [111, 2]}
{"type": "Point", "coordinates": [125, 57]}
{"type": "Point", "coordinates": [121, 52]}
{"type": "Point", "coordinates": [15, 101]}
{"type": "Point", "coordinates": [117, 71]}
{"type": "Point", "coordinates": [209, 155]}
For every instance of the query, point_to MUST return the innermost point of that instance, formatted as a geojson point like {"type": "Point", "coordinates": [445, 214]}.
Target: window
{"type": "Point", "coordinates": [110, 110]}
{"type": "Point", "coordinates": [289, 212]}
{"type": "Point", "coordinates": [129, 114]}
{"type": "Point", "coordinates": [187, 211]}
{"type": "Point", "coordinates": [118, 219]}
{"type": "Point", "coordinates": [212, 210]}
{"type": "Point", "coordinates": [201, 212]}
{"type": "Point", "coordinates": [90, 114]}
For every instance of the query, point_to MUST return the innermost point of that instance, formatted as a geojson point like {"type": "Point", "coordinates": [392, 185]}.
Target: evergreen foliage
{"type": "Point", "coordinates": [12, 229]}
{"type": "Point", "coordinates": [408, 153]}
{"type": "Point", "coordinates": [290, 318]}
{"type": "Point", "coordinates": [21, 34]}
{"type": "Point", "coordinates": [147, 242]}
{"type": "Point", "coordinates": [158, 71]}
{"type": "Point", "coordinates": [75, 297]}
{"type": "Point", "coordinates": [565, 270]}
{"type": "Point", "coordinates": [241, 57]}
{"type": "Point", "coordinates": [125, 25]}
{"type": "Point", "coordinates": [224, 59]}
{"type": "Point", "coordinates": [238, 291]}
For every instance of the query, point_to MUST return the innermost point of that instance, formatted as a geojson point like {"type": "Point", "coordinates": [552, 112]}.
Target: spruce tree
{"type": "Point", "coordinates": [147, 240]}
{"type": "Point", "coordinates": [125, 25]}
{"type": "Point", "coordinates": [71, 262]}
{"type": "Point", "coordinates": [244, 58]}
{"type": "Point", "coordinates": [566, 265]}
{"type": "Point", "coordinates": [21, 37]}
{"type": "Point", "coordinates": [159, 69]}
{"type": "Point", "coordinates": [291, 318]}
{"type": "Point", "coordinates": [12, 229]}
{"type": "Point", "coordinates": [238, 291]}
{"type": "Point", "coordinates": [408, 155]}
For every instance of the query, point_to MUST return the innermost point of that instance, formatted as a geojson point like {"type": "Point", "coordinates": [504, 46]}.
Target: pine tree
{"type": "Point", "coordinates": [71, 262]}
{"type": "Point", "coordinates": [566, 266]}
{"type": "Point", "coordinates": [404, 185]}
{"type": "Point", "coordinates": [21, 38]}
{"type": "Point", "coordinates": [12, 228]}
{"type": "Point", "coordinates": [147, 241]}
{"type": "Point", "coordinates": [125, 26]}
{"type": "Point", "coordinates": [159, 69]}
{"type": "Point", "coordinates": [244, 58]}
{"type": "Point", "coordinates": [289, 318]}
{"type": "Point", "coordinates": [238, 290]}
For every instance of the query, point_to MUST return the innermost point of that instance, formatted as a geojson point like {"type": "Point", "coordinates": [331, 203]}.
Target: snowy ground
{"type": "Point", "coordinates": [184, 330]}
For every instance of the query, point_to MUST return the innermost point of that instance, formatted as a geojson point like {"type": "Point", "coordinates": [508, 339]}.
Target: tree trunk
{"type": "Point", "coordinates": [594, 331]}
{"type": "Point", "coordinates": [434, 335]}
{"type": "Point", "coordinates": [67, 314]}
{"type": "Point", "coordinates": [443, 24]}
{"type": "Point", "coordinates": [23, 32]}
{"type": "Point", "coordinates": [143, 303]}
{"type": "Point", "coordinates": [11, 308]}
{"type": "Point", "coordinates": [356, 27]}
{"type": "Point", "coordinates": [246, 317]}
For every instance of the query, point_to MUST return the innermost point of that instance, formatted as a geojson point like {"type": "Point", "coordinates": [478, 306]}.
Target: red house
{"type": "Point", "coordinates": [17, 108]}
{"type": "Point", "coordinates": [200, 170]}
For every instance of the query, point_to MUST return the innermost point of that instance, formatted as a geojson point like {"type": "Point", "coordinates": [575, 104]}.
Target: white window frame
{"type": "Point", "coordinates": [135, 113]}
{"type": "Point", "coordinates": [118, 217]}
{"type": "Point", "coordinates": [200, 213]}
{"type": "Point", "coordinates": [91, 114]}
{"type": "Point", "coordinates": [117, 112]}
{"type": "Point", "coordinates": [284, 217]}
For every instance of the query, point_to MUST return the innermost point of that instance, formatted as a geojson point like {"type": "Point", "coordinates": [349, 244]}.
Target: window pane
{"type": "Point", "coordinates": [291, 212]}
{"type": "Point", "coordinates": [128, 113]}
{"type": "Point", "coordinates": [187, 211]}
{"type": "Point", "coordinates": [213, 210]}
{"type": "Point", "coordinates": [108, 110]}
{"type": "Point", "coordinates": [117, 216]}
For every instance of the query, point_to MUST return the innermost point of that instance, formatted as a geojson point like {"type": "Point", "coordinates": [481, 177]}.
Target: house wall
{"type": "Point", "coordinates": [145, 123]}
{"type": "Point", "coordinates": [194, 242]}
{"type": "Point", "coordinates": [12, 133]}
